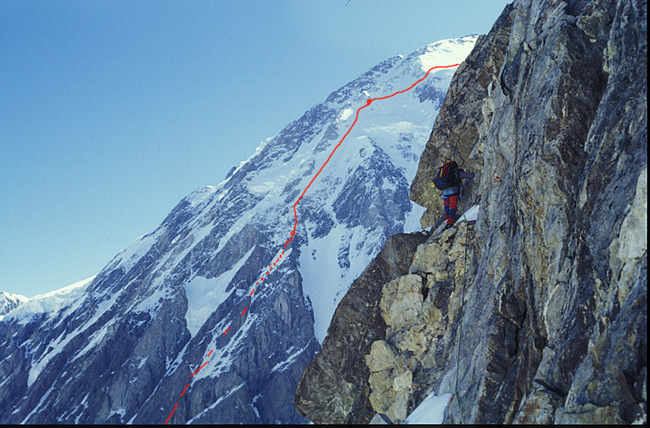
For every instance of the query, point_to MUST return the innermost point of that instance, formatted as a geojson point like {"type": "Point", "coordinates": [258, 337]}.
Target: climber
{"type": "Point", "coordinates": [449, 179]}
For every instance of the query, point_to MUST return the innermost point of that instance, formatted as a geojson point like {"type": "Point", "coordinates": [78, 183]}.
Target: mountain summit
{"type": "Point", "coordinates": [147, 335]}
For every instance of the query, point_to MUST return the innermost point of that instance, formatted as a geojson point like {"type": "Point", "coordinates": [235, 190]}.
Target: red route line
{"type": "Point", "coordinates": [170, 415]}
{"type": "Point", "coordinates": [295, 214]}
{"type": "Point", "coordinates": [370, 101]}
{"type": "Point", "coordinates": [199, 369]}
{"type": "Point", "coordinates": [186, 386]}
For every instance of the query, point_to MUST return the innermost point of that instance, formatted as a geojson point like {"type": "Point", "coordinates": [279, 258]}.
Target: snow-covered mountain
{"type": "Point", "coordinates": [180, 321]}
{"type": "Point", "coordinates": [9, 302]}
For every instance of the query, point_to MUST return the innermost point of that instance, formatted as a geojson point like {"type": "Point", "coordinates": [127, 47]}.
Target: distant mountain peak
{"type": "Point", "coordinates": [9, 302]}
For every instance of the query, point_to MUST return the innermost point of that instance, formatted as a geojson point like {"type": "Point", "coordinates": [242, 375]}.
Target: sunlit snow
{"type": "Point", "coordinates": [444, 51]}
{"type": "Point", "coordinates": [470, 215]}
{"type": "Point", "coordinates": [48, 302]}
{"type": "Point", "coordinates": [430, 411]}
{"type": "Point", "coordinates": [204, 295]}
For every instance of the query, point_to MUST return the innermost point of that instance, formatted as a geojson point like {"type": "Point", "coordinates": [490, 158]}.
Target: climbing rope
{"type": "Point", "coordinates": [460, 326]}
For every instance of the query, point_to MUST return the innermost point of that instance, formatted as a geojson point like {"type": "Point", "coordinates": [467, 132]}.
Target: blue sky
{"type": "Point", "coordinates": [112, 111]}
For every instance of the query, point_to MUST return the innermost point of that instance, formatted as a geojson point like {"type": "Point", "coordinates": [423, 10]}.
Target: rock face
{"type": "Point", "coordinates": [456, 130]}
{"type": "Point", "coordinates": [357, 323]}
{"type": "Point", "coordinates": [538, 313]}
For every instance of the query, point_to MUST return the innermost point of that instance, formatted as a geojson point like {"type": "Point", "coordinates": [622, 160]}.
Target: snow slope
{"type": "Point", "coordinates": [431, 411]}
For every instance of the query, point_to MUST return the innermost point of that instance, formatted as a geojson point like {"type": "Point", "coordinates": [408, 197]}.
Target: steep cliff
{"type": "Point", "coordinates": [336, 385]}
{"type": "Point", "coordinates": [538, 313]}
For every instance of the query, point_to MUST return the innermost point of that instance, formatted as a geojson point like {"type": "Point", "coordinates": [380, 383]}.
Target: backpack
{"type": "Point", "coordinates": [447, 176]}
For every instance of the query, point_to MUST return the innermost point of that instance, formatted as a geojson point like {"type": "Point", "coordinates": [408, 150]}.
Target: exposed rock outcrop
{"type": "Point", "coordinates": [422, 322]}
{"type": "Point", "coordinates": [341, 368]}
{"type": "Point", "coordinates": [457, 126]}
{"type": "Point", "coordinates": [539, 314]}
